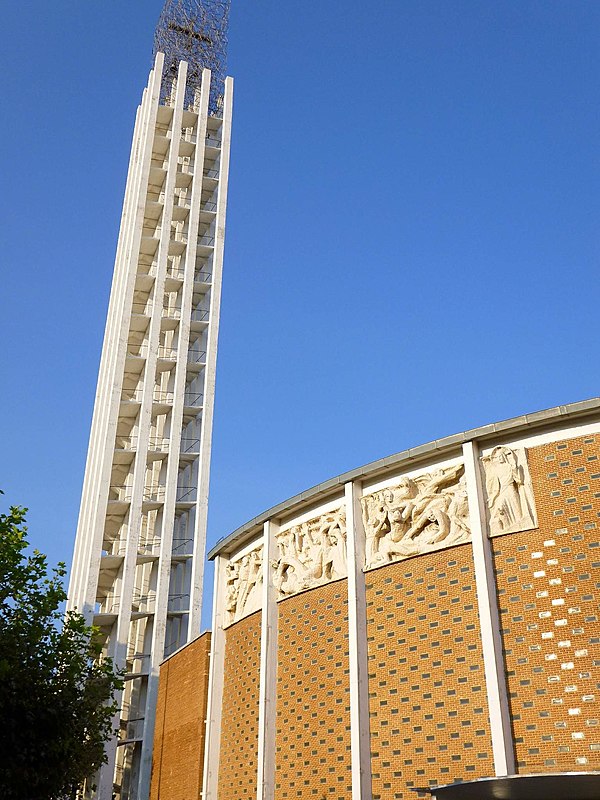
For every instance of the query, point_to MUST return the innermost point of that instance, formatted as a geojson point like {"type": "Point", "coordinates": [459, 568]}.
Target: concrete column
{"type": "Point", "coordinates": [267, 698]}
{"type": "Point", "coordinates": [489, 618]}
{"type": "Point", "coordinates": [214, 709]}
{"type": "Point", "coordinates": [357, 646]}
{"type": "Point", "coordinates": [164, 566]}
{"type": "Point", "coordinates": [94, 514]}
{"type": "Point", "coordinates": [211, 368]}
{"type": "Point", "coordinates": [200, 513]}
{"type": "Point", "coordinates": [78, 579]}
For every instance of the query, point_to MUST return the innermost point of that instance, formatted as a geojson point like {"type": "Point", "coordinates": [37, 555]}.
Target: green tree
{"type": "Point", "coordinates": [56, 691]}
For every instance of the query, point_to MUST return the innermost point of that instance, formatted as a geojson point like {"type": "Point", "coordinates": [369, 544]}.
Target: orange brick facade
{"type": "Point", "coordinates": [313, 696]}
{"type": "Point", "coordinates": [178, 754]}
{"type": "Point", "coordinates": [428, 706]}
{"type": "Point", "coordinates": [239, 737]}
{"type": "Point", "coordinates": [548, 591]}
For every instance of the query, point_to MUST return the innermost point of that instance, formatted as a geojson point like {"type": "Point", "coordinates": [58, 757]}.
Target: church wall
{"type": "Point", "coordinates": [428, 706]}
{"type": "Point", "coordinates": [427, 619]}
{"type": "Point", "coordinates": [312, 753]}
{"type": "Point", "coordinates": [548, 589]}
{"type": "Point", "coordinates": [239, 737]}
{"type": "Point", "coordinates": [178, 752]}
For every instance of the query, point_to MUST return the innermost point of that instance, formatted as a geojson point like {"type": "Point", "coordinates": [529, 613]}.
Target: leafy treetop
{"type": "Point", "coordinates": [57, 692]}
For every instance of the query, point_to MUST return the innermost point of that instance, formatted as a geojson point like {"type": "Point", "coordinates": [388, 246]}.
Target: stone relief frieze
{"type": "Point", "coordinates": [418, 515]}
{"type": "Point", "coordinates": [509, 491]}
{"type": "Point", "coordinates": [311, 554]}
{"type": "Point", "coordinates": [243, 593]}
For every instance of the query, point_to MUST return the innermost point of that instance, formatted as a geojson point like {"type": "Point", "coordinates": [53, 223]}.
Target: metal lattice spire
{"type": "Point", "coordinates": [194, 31]}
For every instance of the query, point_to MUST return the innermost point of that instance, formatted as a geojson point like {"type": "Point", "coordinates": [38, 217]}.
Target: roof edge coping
{"type": "Point", "coordinates": [448, 443]}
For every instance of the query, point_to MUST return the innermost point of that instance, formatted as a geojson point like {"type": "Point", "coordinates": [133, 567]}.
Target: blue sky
{"type": "Point", "coordinates": [412, 237]}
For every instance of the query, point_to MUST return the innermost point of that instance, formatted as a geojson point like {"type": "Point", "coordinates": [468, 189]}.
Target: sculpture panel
{"type": "Point", "coordinates": [244, 580]}
{"type": "Point", "coordinates": [311, 554]}
{"type": "Point", "coordinates": [509, 492]}
{"type": "Point", "coordinates": [417, 515]}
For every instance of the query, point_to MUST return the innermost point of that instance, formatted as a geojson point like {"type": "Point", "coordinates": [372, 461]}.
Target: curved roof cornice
{"type": "Point", "coordinates": [442, 448]}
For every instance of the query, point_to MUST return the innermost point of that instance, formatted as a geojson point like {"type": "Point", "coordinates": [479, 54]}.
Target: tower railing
{"type": "Point", "coordinates": [196, 356]}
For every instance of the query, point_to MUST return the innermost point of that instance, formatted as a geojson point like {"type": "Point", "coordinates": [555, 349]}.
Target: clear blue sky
{"type": "Point", "coordinates": [412, 239]}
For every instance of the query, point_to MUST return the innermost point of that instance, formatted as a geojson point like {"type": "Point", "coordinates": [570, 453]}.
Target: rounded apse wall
{"type": "Point", "coordinates": [431, 617]}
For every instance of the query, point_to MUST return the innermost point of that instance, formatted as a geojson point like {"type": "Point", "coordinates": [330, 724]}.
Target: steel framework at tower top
{"type": "Point", "coordinates": [194, 31]}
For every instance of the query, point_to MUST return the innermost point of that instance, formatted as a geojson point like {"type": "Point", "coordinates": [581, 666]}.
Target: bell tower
{"type": "Point", "coordinates": [139, 555]}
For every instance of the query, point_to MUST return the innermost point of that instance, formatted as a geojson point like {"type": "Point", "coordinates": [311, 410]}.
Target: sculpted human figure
{"type": "Point", "coordinates": [376, 524]}
{"type": "Point", "coordinates": [386, 517]}
{"type": "Point", "coordinates": [254, 598]}
{"type": "Point", "coordinates": [311, 553]}
{"type": "Point", "coordinates": [289, 569]}
{"type": "Point", "coordinates": [250, 575]}
{"type": "Point", "coordinates": [431, 505]}
{"type": "Point", "coordinates": [458, 511]}
{"type": "Point", "coordinates": [390, 550]}
{"type": "Point", "coordinates": [231, 591]}
{"type": "Point", "coordinates": [336, 564]}
{"type": "Point", "coordinates": [419, 514]}
{"type": "Point", "coordinates": [243, 583]}
{"type": "Point", "coordinates": [333, 548]}
{"type": "Point", "coordinates": [404, 498]}
{"type": "Point", "coordinates": [285, 578]}
{"type": "Point", "coordinates": [288, 543]}
{"type": "Point", "coordinates": [507, 496]}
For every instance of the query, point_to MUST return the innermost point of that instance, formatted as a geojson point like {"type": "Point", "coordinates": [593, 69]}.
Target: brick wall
{"type": "Point", "coordinates": [239, 726]}
{"type": "Point", "coordinates": [548, 588]}
{"type": "Point", "coordinates": [428, 709]}
{"type": "Point", "coordinates": [313, 700]}
{"type": "Point", "coordinates": [428, 705]}
{"type": "Point", "coordinates": [178, 755]}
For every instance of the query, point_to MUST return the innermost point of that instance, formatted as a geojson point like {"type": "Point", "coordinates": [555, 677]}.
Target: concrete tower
{"type": "Point", "coordinates": [140, 549]}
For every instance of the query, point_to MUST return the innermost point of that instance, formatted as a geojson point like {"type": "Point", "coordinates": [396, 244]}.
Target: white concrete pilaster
{"type": "Point", "coordinates": [214, 708]}
{"type": "Point", "coordinates": [93, 517]}
{"type": "Point", "coordinates": [360, 740]}
{"type": "Point", "coordinates": [79, 565]}
{"type": "Point", "coordinates": [267, 702]}
{"type": "Point", "coordinates": [181, 377]}
{"type": "Point", "coordinates": [99, 462]}
{"type": "Point", "coordinates": [211, 368]}
{"type": "Point", "coordinates": [164, 564]}
{"type": "Point", "coordinates": [489, 618]}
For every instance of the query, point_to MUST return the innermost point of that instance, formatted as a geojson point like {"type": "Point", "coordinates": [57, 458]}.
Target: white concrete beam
{"type": "Point", "coordinates": [360, 739]}
{"type": "Point", "coordinates": [214, 709]}
{"type": "Point", "coordinates": [211, 368]}
{"type": "Point", "coordinates": [489, 618]}
{"type": "Point", "coordinates": [267, 703]}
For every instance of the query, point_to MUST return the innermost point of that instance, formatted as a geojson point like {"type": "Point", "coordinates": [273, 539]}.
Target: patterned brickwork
{"type": "Point", "coordinates": [428, 705]}
{"type": "Point", "coordinates": [313, 696]}
{"type": "Point", "coordinates": [548, 587]}
{"type": "Point", "coordinates": [178, 756]}
{"type": "Point", "coordinates": [239, 727]}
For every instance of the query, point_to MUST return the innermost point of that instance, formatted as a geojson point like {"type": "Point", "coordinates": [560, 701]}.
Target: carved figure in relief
{"type": "Point", "coordinates": [386, 515]}
{"type": "Point", "coordinates": [250, 578]}
{"type": "Point", "coordinates": [286, 576]}
{"type": "Point", "coordinates": [243, 586]}
{"type": "Point", "coordinates": [419, 514]}
{"type": "Point", "coordinates": [311, 553]}
{"type": "Point", "coordinates": [508, 488]}
{"type": "Point", "coordinates": [376, 522]}
{"type": "Point", "coordinates": [231, 590]}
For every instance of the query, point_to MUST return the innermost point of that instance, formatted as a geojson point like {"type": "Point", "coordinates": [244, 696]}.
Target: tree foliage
{"type": "Point", "coordinates": [56, 692]}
